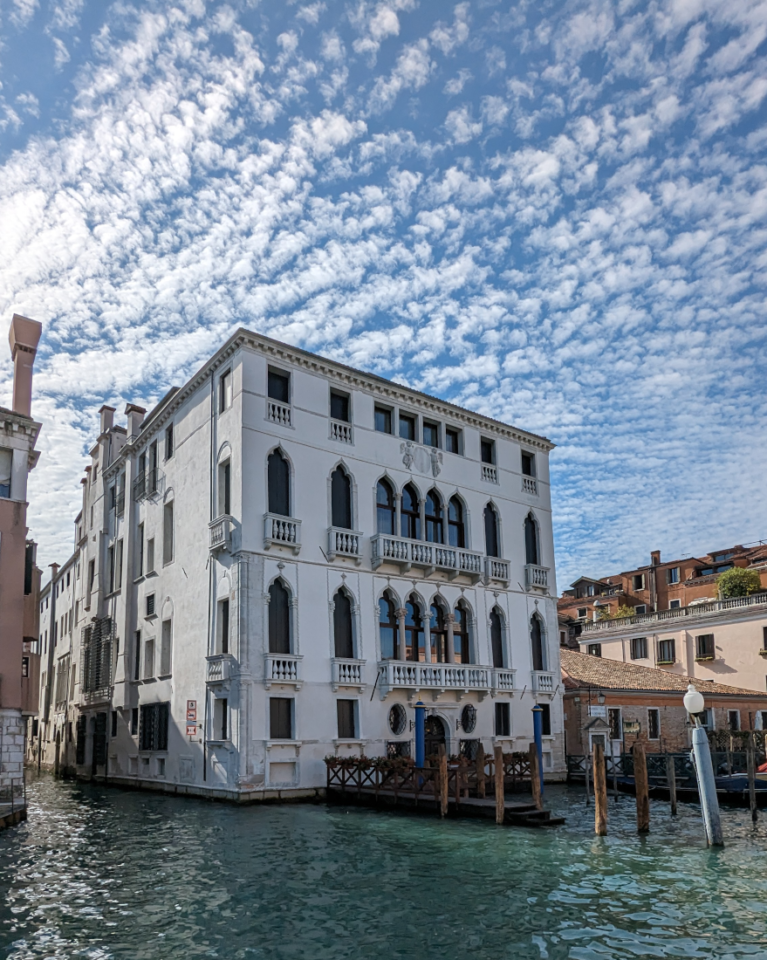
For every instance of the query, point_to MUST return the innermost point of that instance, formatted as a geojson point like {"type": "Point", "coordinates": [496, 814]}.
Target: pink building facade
{"type": "Point", "coordinates": [18, 437]}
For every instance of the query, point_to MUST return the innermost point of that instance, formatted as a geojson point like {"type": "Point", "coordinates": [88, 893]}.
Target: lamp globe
{"type": "Point", "coordinates": [693, 700]}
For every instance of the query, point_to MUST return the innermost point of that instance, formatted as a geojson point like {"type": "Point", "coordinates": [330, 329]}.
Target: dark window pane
{"type": "Point", "coordinates": [531, 541]}
{"type": "Point", "coordinates": [278, 473]}
{"type": "Point", "coordinates": [451, 440]}
{"type": "Point", "coordinates": [280, 718]}
{"type": "Point", "coordinates": [279, 386]}
{"type": "Point", "coordinates": [496, 638]}
{"type": "Point", "coordinates": [430, 434]}
{"type": "Point", "coordinates": [346, 725]}
{"type": "Point", "coordinates": [487, 451]}
{"type": "Point", "coordinates": [434, 525]}
{"type": "Point", "coordinates": [502, 721]}
{"type": "Point", "coordinates": [384, 508]}
{"type": "Point", "coordinates": [410, 519]}
{"type": "Point", "coordinates": [456, 530]}
{"type": "Point", "coordinates": [383, 420]}
{"type": "Point", "coordinates": [387, 625]}
{"type": "Point", "coordinates": [339, 407]}
{"type": "Point", "coordinates": [407, 427]}
{"type": "Point", "coordinates": [342, 626]}
{"type": "Point", "coordinates": [414, 642]}
{"type": "Point", "coordinates": [279, 619]}
{"type": "Point", "coordinates": [536, 637]}
{"type": "Point", "coordinates": [545, 719]}
{"type": "Point", "coordinates": [491, 532]}
{"type": "Point", "coordinates": [528, 464]}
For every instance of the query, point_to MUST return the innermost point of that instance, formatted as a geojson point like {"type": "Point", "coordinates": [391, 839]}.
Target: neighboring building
{"type": "Point", "coordinates": [278, 562]}
{"type": "Point", "coordinates": [619, 704]}
{"type": "Point", "coordinates": [30, 660]}
{"type": "Point", "coordinates": [17, 457]}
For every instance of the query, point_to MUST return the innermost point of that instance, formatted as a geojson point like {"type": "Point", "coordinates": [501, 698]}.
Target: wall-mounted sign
{"type": "Point", "coordinates": [631, 726]}
{"type": "Point", "coordinates": [596, 711]}
{"type": "Point", "coordinates": [191, 729]}
{"type": "Point", "coordinates": [191, 711]}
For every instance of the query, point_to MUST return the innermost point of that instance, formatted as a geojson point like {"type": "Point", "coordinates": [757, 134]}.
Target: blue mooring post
{"type": "Point", "coordinates": [538, 737]}
{"type": "Point", "coordinates": [420, 734]}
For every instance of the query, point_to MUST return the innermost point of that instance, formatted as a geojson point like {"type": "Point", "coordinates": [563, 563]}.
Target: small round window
{"type": "Point", "coordinates": [397, 719]}
{"type": "Point", "coordinates": [468, 718]}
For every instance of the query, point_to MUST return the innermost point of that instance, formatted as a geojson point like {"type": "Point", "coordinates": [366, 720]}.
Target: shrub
{"type": "Point", "coordinates": [738, 582]}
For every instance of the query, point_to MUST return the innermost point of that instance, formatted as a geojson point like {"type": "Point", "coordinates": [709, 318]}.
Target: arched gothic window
{"type": "Point", "coordinates": [384, 508]}
{"type": "Point", "coordinates": [461, 634]}
{"type": "Point", "coordinates": [278, 476]}
{"type": "Point", "coordinates": [438, 633]}
{"type": "Point", "coordinates": [279, 618]}
{"type": "Point", "coordinates": [342, 626]}
{"type": "Point", "coordinates": [414, 645]}
{"type": "Point", "coordinates": [536, 637]}
{"type": "Point", "coordinates": [434, 522]}
{"type": "Point", "coordinates": [387, 626]}
{"type": "Point", "coordinates": [491, 532]}
{"type": "Point", "coordinates": [496, 638]}
{"type": "Point", "coordinates": [455, 524]}
{"type": "Point", "coordinates": [410, 518]}
{"type": "Point", "coordinates": [341, 499]}
{"type": "Point", "coordinates": [531, 540]}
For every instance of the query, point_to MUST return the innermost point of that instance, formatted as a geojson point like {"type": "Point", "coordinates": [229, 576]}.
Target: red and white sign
{"type": "Point", "coordinates": [191, 711]}
{"type": "Point", "coordinates": [191, 729]}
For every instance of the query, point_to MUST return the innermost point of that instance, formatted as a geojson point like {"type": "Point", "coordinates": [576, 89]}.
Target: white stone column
{"type": "Point", "coordinates": [450, 642]}
{"type": "Point", "coordinates": [401, 614]}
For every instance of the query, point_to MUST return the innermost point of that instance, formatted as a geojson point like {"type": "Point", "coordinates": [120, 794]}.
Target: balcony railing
{"type": "Point", "coordinates": [543, 682]}
{"type": "Point", "coordinates": [120, 503]}
{"type": "Point", "coordinates": [279, 413]}
{"type": "Point", "coordinates": [139, 487]}
{"type": "Point", "coordinates": [347, 673]}
{"type": "Point", "coordinates": [344, 543]}
{"type": "Point", "coordinates": [341, 431]}
{"type": "Point", "coordinates": [503, 680]}
{"type": "Point", "coordinates": [530, 485]}
{"type": "Point", "coordinates": [536, 578]}
{"type": "Point", "coordinates": [698, 610]}
{"type": "Point", "coordinates": [282, 668]}
{"type": "Point", "coordinates": [284, 531]}
{"type": "Point", "coordinates": [220, 668]}
{"type": "Point", "coordinates": [220, 534]}
{"type": "Point", "coordinates": [431, 556]}
{"type": "Point", "coordinates": [496, 569]}
{"type": "Point", "coordinates": [490, 472]}
{"type": "Point", "coordinates": [400, 675]}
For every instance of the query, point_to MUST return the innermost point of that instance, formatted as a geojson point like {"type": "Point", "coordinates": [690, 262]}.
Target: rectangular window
{"type": "Point", "coordinates": [639, 648]}
{"type": "Point", "coordinates": [137, 656]}
{"type": "Point", "coordinates": [674, 604]}
{"type": "Point", "coordinates": [583, 612]}
{"type": "Point", "coordinates": [140, 551]}
{"type": "Point", "coordinates": [149, 659]}
{"type": "Point", "coordinates": [154, 726]}
{"type": "Point", "coordinates": [487, 450]}
{"type": "Point", "coordinates": [704, 647]}
{"type": "Point", "coordinates": [502, 720]}
{"type": "Point", "coordinates": [167, 533]}
{"type": "Point", "coordinates": [223, 626]}
{"type": "Point", "coordinates": [169, 441]}
{"type": "Point", "coordinates": [225, 391]}
{"type": "Point", "coordinates": [382, 420]}
{"type": "Point", "coordinates": [153, 477]}
{"type": "Point", "coordinates": [134, 721]}
{"type": "Point", "coordinates": [407, 427]}
{"type": "Point", "coordinates": [339, 406]}
{"type": "Point", "coordinates": [113, 731]}
{"type": "Point", "coordinates": [733, 720]}
{"type": "Point", "coordinates": [653, 723]}
{"type": "Point", "coordinates": [281, 718]}
{"type": "Point", "coordinates": [640, 609]}
{"type": "Point", "coordinates": [221, 718]}
{"type": "Point", "coordinates": [150, 605]}
{"type": "Point", "coordinates": [637, 582]}
{"type": "Point", "coordinates": [614, 720]}
{"type": "Point", "coordinates": [347, 728]}
{"type": "Point", "coordinates": [111, 568]}
{"type": "Point", "coordinates": [118, 565]}
{"type": "Point", "coordinates": [25, 666]}
{"type": "Point", "coordinates": [528, 464]}
{"type": "Point", "coordinates": [672, 575]}
{"type": "Point", "coordinates": [112, 497]}
{"type": "Point", "coordinates": [278, 386]}
{"type": "Point", "coordinates": [150, 555]}
{"type": "Point", "coordinates": [6, 462]}
{"type": "Point", "coordinates": [595, 649]}
{"type": "Point", "coordinates": [545, 719]}
{"type": "Point", "coordinates": [224, 488]}
{"type": "Point", "coordinates": [452, 440]}
{"type": "Point", "coordinates": [431, 433]}
{"type": "Point", "coordinates": [666, 651]}
{"type": "Point", "coordinates": [166, 648]}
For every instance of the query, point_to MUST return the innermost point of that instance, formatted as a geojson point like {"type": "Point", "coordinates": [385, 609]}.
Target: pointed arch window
{"type": "Point", "coordinates": [410, 518]}
{"type": "Point", "coordinates": [461, 634]}
{"type": "Point", "coordinates": [414, 644]}
{"type": "Point", "coordinates": [278, 482]}
{"type": "Point", "coordinates": [279, 618]}
{"type": "Point", "coordinates": [531, 540]}
{"type": "Point", "coordinates": [385, 516]}
{"type": "Point", "coordinates": [435, 532]}
{"type": "Point", "coordinates": [492, 540]}
{"type": "Point", "coordinates": [341, 499]}
{"type": "Point", "coordinates": [456, 529]}
{"type": "Point", "coordinates": [342, 626]}
{"type": "Point", "coordinates": [496, 638]}
{"type": "Point", "coordinates": [438, 634]}
{"type": "Point", "coordinates": [387, 627]}
{"type": "Point", "coordinates": [536, 638]}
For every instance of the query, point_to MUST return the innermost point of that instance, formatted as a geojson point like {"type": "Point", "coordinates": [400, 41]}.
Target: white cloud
{"type": "Point", "coordinates": [461, 126]}
{"type": "Point", "coordinates": [411, 72]}
{"type": "Point", "coordinates": [23, 11]}
{"type": "Point", "coordinates": [456, 84]}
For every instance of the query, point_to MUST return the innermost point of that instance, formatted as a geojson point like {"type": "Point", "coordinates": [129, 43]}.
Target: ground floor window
{"type": "Point", "coordinates": [468, 749]}
{"type": "Point", "coordinates": [614, 719]}
{"type": "Point", "coordinates": [397, 748]}
{"type": "Point", "coordinates": [733, 719]}
{"type": "Point", "coordinates": [347, 719]}
{"type": "Point", "coordinates": [502, 720]}
{"type": "Point", "coordinates": [153, 729]}
{"type": "Point", "coordinates": [80, 747]}
{"type": "Point", "coordinates": [545, 719]}
{"type": "Point", "coordinates": [281, 718]}
{"type": "Point", "coordinates": [653, 723]}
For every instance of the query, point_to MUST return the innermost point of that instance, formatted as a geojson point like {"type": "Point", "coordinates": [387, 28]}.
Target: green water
{"type": "Point", "coordinates": [100, 873]}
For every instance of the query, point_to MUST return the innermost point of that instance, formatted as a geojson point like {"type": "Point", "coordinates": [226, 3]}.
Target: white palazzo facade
{"type": "Point", "coordinates": [278, 562]}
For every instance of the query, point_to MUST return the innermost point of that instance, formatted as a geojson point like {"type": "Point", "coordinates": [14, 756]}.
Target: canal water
{"type": "Point", "coordinates": [102, 873]}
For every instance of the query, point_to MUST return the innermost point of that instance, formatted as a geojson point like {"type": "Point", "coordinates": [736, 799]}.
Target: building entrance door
{"type": "Point", "coordinates": [434, 735]}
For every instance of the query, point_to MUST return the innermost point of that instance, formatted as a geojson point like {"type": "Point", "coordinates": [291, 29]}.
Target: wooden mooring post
{"type": "Point", "coordinates": [442, 781]}
{"type": "Point", "coordinates": [671, 780]}
{"type": "Point", "coordinates": [500, 802]}
{"type": "Point", "coordinates": [600, 791]}
{"type": "Point", "coordinates": [480, 771]}
{"type": "Point", "coordinates": [586, 764]}
{"type": "Point", "coordinates": [751, 768]}
{"type": "Point", "coordinates": [535, 777]}
{"type": "Point", "coordinates": [642, 788]}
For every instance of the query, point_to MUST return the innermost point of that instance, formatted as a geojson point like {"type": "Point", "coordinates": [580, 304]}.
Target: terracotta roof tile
{"type": "Point", "coordinates": [582, 669]}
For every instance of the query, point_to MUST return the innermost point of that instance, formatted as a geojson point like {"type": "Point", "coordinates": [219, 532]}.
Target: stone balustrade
{"type": "Point", "coordinates": [283, 531]}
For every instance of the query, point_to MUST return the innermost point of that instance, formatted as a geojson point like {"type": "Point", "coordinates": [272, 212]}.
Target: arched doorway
{"type": "Point", "coordinates": [435, 735]}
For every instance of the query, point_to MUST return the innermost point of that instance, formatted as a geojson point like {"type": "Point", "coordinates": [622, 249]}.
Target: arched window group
{"type": "Point", "coordinates": [385, 509]}
{"type": "Point", "coordinates": [410, 517]}
{"type": "Point", "coordinates": [412, 631]}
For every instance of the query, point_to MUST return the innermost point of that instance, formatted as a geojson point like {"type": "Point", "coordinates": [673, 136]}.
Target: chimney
{"type": "Point", "coordinates": [135, 416]}
{"type": "Point", "coordinates": [655, 557]}
{"type": "Point", "coordinates": [24, 337]}
{"type": "Point", "coordinates": [107, 418]}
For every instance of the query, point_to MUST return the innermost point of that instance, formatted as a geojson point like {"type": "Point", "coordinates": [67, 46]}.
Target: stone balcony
{"type": "Point", "coordinates": [341, 431]}
{"type": "Point", "coordinates": [280, 413]}
{"type": "Point", "coordinates": [438, 678]}
{"type": "Point", "coordinates": [489, 473]}
{"type": "Point", "coordinates": [406, 554]}
{"type": "Point", "coordinates": [220, 531]}
{"type": "Point", "coordinates": [530, 485]}
{"type": "Point", "coordinates": [543, 681]}
{"type": "Point", "coordinates": [282, 532]}
{"type": "Point", "coordinates": [344, 543]}
{"type": "Point", "coordinates": [537, 578]}
{"type": "Point", "coordinates": [347, 673]}
{"type": "Point", "coordinates": [283, 668]}
{"type": "Point", "coordinates": [496, 569]}
{"type": "Point", "coordinates": [220, 668]}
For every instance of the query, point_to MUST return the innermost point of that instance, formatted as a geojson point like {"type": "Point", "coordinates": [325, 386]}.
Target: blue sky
{"type": "Point", "coordinates": [551, 212]}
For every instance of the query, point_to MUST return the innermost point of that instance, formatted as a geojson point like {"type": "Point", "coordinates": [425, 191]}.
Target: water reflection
{"type": "Point", "coordinates": [101, 873]}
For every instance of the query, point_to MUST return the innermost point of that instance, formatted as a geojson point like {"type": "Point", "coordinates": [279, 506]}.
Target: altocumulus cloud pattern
{"type": "Point", "coordinates": [552, 212]}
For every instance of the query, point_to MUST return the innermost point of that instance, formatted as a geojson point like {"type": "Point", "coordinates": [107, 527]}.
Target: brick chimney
{"type": "Point", "coordinates": [24, 337]}
{"type": "Point", "coordinates": [135, 416]}
{"type": "Point", "coordinates": [655, 558]}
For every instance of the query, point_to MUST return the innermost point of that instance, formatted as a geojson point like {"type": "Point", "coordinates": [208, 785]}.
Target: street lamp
{"type": "Point", "coordinates": [704, 770]}
{"type": "Point", "coordinates": [601, 699]}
